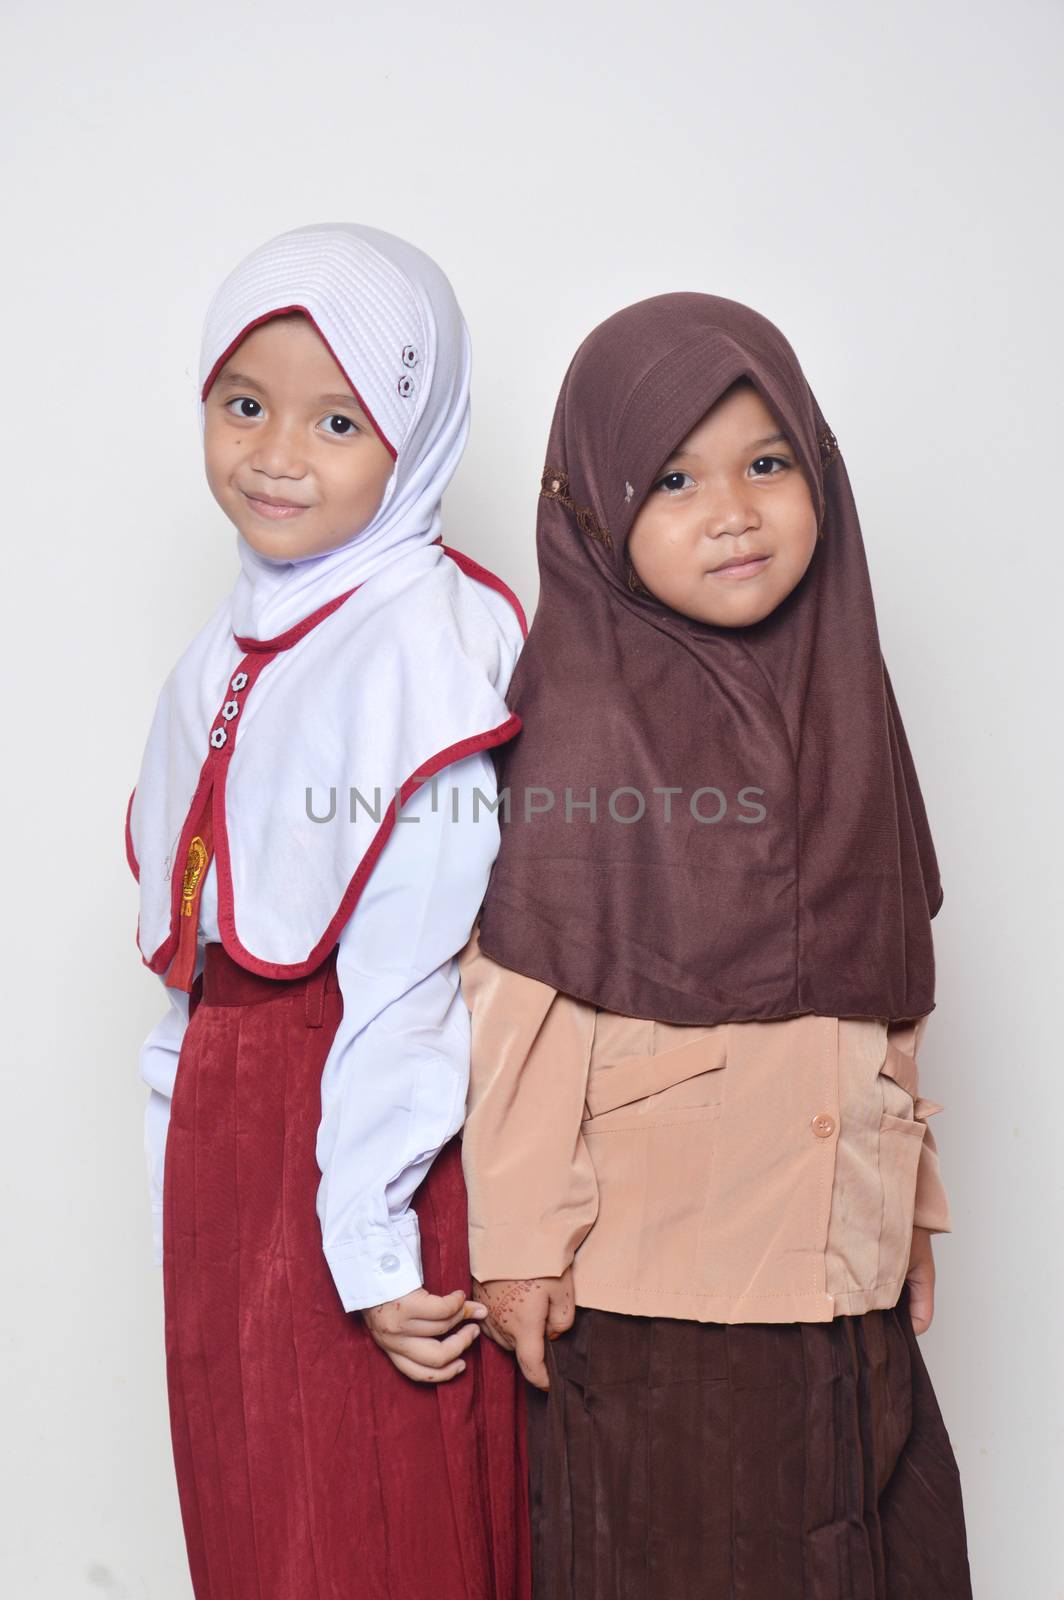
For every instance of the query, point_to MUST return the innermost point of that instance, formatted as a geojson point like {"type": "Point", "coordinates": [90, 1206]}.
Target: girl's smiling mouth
{"type": "Point", "coordinates": [275, 509]}
{"type": "Point", "coordinates": [745, 567]}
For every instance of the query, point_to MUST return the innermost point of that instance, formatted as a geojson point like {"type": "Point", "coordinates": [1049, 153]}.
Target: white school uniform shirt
{"type": "Point", "coordinates": [394, 1083]}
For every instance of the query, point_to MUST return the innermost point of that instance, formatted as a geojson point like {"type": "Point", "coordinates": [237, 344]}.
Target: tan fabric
{"type": "Point", "coordinates": [746, 1172]}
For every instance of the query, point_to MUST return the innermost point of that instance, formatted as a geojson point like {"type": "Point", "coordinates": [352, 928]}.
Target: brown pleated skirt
{"type": "Point", "coordinates": [800, 1461]}
{"type": "Point", "coordinates": [308, 1467]}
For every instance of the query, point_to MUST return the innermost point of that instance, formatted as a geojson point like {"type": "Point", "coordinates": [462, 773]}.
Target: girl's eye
{"type": "Point", "coordinates": [346, 426]}
{"type": "Point", "coordinates": [673, 482]}
{"type": "Point", "coordinates": [243, 400]}
{"type": "Point", "coordinates": [770, 461]}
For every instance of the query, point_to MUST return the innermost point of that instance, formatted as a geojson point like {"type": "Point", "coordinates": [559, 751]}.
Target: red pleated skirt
{"type": "Point", "coordinates": [754, 1461]}
{"type": "Point", "coordinates": [308, 1467]}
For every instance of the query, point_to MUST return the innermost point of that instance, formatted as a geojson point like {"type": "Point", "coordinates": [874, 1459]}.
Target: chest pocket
{"type": "Point", "coordinates": [675, 1078]}
{"type": "Point", "coordinates": [899, 1079]}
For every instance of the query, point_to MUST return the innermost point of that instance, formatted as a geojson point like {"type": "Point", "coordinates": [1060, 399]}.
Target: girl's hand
{"type": "Point", "coordinates": [410, 1332]}
{"type": "Point", "coordinates": [921, 1280]}
{"type": "Point", "coordinates": [521, 1310]}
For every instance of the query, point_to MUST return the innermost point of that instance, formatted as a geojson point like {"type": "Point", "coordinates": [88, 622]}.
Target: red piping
{"type": "Point", "coordinates": [473, 569]}
{"type": "Point", "coordinates": [285, 641]}
{"type": "Point", "coordinates": [131, 855]}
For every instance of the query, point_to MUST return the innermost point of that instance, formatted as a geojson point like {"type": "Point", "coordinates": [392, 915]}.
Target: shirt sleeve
{"type": "Point", "coordinates": [533, 1196]}
{"type": "Point", "coordinates": [394, 1082]}
{"type": "Point", "coordinates": [932, 1210]}
{"type": "Point", "coordinates": [158, 1068]}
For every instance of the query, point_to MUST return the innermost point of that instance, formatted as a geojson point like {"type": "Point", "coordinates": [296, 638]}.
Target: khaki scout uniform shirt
{"type": "Point", "coordinates": [746, 1172]}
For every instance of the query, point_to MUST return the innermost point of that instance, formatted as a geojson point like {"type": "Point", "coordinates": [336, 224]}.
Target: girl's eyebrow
{"type": "Point", "coordinates": [239, 377]}
{"type": "Point", "coordinates": [245, 382]}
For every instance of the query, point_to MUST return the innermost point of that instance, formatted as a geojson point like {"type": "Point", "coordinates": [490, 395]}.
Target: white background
{"type": "Point", "coordinates": [883, 182]}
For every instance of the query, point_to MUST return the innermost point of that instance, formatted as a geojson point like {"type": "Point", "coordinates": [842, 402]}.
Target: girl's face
{"type": "Point", "coordinates": [731, 490]}
{"type": "Point", "coordinates": [291, 457]}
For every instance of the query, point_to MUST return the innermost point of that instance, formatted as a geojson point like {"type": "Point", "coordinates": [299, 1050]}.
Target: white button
{"type": "Point", "coordinates": [239, 681]}
{"type": "Point", "coordinates": [230, 709]}
{"type": "Point", "coordinates": [389, 1263]}
{"type": "Point", "coordinates": [218, 737]}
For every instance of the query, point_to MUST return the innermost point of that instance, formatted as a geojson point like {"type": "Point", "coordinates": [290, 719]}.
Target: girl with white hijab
{"type": "Point", "coordinates": [339, 1429]}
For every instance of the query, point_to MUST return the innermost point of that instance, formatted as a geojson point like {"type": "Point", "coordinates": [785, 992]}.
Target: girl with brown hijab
{"type": "Point", "coordinates": [702, 1181]}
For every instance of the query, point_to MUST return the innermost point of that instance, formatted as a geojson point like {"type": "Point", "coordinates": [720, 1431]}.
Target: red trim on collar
{"type": "Point", "coordinates": [473, 569]}
{"type": "Point", "coordinates": [285, 641]}
{"type": "Point", "coordinates": [283, 311]}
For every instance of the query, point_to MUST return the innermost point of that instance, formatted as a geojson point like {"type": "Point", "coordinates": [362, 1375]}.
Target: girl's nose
{"type": "Point", "coordinates": [277, 451]}
{"type": "Point", "coordinates": [730, 512]}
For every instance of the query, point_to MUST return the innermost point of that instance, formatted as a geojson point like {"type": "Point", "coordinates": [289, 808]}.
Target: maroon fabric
{"type": "Point", "coordinates": [801, 1461]}
{"type": "Point", "coordinates": [826, 905]}
{"type": "Point", "coordinates": [308, 1468]}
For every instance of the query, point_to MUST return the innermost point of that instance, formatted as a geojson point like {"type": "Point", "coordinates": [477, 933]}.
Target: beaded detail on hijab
{"type": "Point", "coordinates": [829, 446]}
{"type": "Point", "coordinates": [554, 485]}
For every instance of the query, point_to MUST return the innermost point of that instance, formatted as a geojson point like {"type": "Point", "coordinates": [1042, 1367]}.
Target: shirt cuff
{"type": "Point", "coordinates": [932, 1208]}
{"type": "Point", "coordinates": [383, 1266]}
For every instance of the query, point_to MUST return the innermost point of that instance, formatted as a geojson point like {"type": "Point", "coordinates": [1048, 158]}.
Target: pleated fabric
{"type": "Point", "coordinates": [308, 1467]}
{"type": "Point", "coordinates": [802, 1461]}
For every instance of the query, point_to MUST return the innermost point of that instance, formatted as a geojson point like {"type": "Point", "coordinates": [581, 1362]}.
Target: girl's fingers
{"type": "Point", "coordinates": [424, 1325]}
{"type": "Point", "coordinates": [435, 1353]}
{"type": "Point", "coordinates": [437, 1307]}
{"type": "Point", "coordinates": [420, 1374]}
{"type": "Point", "coordinates": [530, 1357]}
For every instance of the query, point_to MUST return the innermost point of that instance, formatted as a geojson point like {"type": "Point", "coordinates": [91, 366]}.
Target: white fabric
{"type": "Point", "coordinates": [395, 1079]}
{"type": "Point", "coordinates": [414, 663]}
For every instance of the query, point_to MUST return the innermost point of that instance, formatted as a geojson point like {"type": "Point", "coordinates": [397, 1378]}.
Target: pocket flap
{"type": "Point", "coordinates": [637, 1077]}
{"type": "Point", "coordinates": [901, 1068]}
{"type": "Point", "coordinates": [926, 1108]}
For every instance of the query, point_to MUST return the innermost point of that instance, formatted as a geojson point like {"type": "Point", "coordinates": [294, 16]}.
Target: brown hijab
{"type": "Point", "coordinates": [824, 904]}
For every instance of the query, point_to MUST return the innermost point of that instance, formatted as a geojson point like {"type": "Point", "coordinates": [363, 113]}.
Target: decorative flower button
{"type": "Point", "coordinates": [406, 386]}
{"type": "Point", "coordinates": [823, 1125]}
{"type": "Point", "coordinates": [239, 682]}
{"type": "Point", "coordinates": [389, 1263]}
{"type": "Point", "coordinates": [230, 709]}
{"type": "Point", "coordinates": [218, 737]}
{"type": "Point", "coordinates": [409, 356]}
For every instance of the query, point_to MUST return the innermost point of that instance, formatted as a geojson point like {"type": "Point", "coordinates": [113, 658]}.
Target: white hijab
{"type": "Point", "coordinates": [408, 673]}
